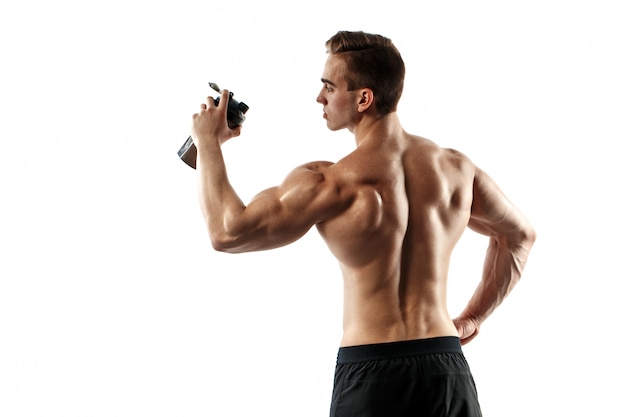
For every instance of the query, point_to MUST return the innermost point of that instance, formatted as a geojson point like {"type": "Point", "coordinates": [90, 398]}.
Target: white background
{"type": "Point", "coordinates": [112, 302]}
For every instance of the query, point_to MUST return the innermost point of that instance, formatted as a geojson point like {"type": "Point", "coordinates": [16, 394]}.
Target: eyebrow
{"type": "Point", "coordinates": [325, 81]}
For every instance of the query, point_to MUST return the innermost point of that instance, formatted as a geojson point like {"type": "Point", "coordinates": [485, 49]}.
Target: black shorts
{"type": "Point", "coordinates": [427, 377]}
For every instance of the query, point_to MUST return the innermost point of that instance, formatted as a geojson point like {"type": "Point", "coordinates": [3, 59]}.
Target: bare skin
{"type": "Point", "coordinates": [391, 212]}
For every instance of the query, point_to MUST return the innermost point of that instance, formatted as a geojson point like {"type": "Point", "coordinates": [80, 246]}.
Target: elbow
{"type": "Point", "coordinates": [222, 243]}
{"type": "Point", "coordinates": [225, 236]}
{"type": "Point", "coordinates": [520, 245]}
{"type": "Point", "coordinates": [528, 236]}
{"type": "Point", "coordinates": [524, 235]}
{"type": "Point", "coordinates": [521, 240]}
{"type": "Point", "coordinates": [219, 245]}
{"type": "Point", "coordinates": [232, 241]}
{"type": "Point", "coordinates": [232, 237]}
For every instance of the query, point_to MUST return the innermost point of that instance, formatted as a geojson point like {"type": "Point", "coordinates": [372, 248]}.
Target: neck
{"type": "Point", "coordinates": [370, 127]}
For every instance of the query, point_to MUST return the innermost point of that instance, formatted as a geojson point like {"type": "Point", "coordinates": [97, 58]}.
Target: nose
{"type": "Point", "coordinates": [320, 99]}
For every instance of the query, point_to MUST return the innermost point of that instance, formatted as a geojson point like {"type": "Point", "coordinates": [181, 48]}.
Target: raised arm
{"type": "Point", "coordinates": [510, 239]}
{"type": "Point", "coordinates": [276, 216]}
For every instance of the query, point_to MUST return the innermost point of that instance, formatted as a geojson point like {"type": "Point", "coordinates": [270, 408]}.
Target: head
{"type": "Point", "coordinates": [373, 62]}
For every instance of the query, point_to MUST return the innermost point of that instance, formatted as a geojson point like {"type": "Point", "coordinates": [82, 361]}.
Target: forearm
{"type": "Point", "coordinates": [502, 270]}
{"type": "Point", "coordinates": [219, 202]}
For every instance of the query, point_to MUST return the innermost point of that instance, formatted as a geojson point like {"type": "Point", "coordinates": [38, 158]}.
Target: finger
{"type": "Point", "coordinates": [202, 106]}
{"type": "Point", "coordinates": [224, 99]}
{"type": "Point", "coordinates": [470, 337]}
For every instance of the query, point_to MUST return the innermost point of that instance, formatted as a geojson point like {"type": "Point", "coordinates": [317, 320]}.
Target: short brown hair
{"type": "Point", "coordinates": [372, 61]}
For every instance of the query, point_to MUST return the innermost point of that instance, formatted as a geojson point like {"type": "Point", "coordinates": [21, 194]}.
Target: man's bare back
{"type": "Point", "coordinates": [411, 204]}
{"type": "Point", "coordinates": [391, 212]}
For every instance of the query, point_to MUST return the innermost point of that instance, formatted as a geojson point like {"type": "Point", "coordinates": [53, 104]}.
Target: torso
{"type": "Point", "coordinates": [412, 202]}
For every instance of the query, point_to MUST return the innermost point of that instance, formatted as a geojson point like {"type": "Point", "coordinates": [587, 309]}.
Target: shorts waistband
{"type": "Point", "coordinates": [379, 351]}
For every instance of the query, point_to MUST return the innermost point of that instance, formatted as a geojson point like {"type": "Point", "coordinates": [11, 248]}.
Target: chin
{"type": "Point", "coordinates": [331, 126]}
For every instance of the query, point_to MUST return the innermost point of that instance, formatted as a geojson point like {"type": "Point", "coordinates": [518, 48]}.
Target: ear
{"type": "Point", "coordinates": [365, 99]}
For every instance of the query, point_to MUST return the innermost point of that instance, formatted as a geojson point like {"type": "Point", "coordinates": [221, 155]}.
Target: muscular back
{"type": "Point", "coordinates": [391, 212]}
{"type": "Point", "coordinates": [411, 202]}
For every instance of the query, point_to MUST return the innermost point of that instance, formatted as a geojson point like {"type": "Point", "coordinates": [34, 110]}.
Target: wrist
{"type": "Point", "coordinates": [206, 143]}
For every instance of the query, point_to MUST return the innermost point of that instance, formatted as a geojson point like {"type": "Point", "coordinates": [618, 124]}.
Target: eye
{"type": "Point", "coordinates": [328, 88]}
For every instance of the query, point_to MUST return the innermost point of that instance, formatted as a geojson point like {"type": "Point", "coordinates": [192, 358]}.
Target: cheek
{"type": "Point", "coordinates": [340, 103]}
